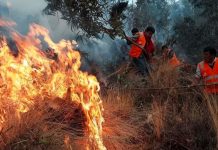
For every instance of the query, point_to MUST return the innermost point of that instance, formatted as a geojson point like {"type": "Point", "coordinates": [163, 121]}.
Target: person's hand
{"type": "Point", "coordinates": [128, 41]}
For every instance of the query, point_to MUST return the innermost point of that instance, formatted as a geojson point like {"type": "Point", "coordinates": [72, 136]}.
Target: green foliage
{"type": "Point", "coordinates": [93, 17]}
{"type": "Point", "coordinates": [155, 13]}
{"type": "Point", "coordinates": [151, 13]}
{"type": "Point", "coordinates": [187, 35]}
{"type": "Point", "coordinates": [199, 30]}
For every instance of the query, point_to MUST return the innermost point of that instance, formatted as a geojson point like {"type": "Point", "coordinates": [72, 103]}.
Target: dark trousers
{"type": "Point", "coordinates": [142, 65]}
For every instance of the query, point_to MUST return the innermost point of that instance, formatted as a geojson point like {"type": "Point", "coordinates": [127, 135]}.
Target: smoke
{"type": "Point", "coordinates": [25, 12]}
{"type": "Point", "coordinates": [26, 6]}
{"type": "Point", "coordinates": [105, 52]}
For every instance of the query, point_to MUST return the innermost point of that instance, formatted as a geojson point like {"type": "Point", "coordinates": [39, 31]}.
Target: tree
{"type": "Point", "coordinates": [207, 11]}
{"type": "Point", "coordinates": [155, 13]}
{"type": "Point", "coordinates": [92, 17]}
{"type": "Point", "coordinates": [200, 29]}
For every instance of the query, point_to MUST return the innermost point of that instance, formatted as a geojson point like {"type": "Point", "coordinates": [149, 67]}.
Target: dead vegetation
{"type": "Point", "coordinates": [145, 119]}
{"type": "Point", "coordinates": [52, 124]}
{"type": "Point", "coordinates": [165, 116]}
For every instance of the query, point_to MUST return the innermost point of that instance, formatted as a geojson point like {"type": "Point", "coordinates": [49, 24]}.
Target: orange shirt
{"type": "Point", "coordinates": [135, 51]}
{"type": "Point", "coordinates": [174, 61]}
{"type": "Point", "coordinates": [171, 58]}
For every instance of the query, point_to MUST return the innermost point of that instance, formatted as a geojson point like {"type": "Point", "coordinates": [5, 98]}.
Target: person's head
{"type": "Point", "coordinates": [149, 31]}
{"type": "Point", "coordinates": [209, 54]}
{"type": "Point", "coordinates": [134, 31]}
{"type": "Point", "coordinates": [164, 48]}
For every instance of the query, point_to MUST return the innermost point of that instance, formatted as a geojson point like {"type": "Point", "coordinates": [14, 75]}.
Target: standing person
{"type": "Point", "coordinates": [207, 71]}
{"type": "Point", "coordinates": [149, 46]}
{"type": "Point", "coordinates": [135, 52]}
{"type": "Point", "coordinates": [169, 56]}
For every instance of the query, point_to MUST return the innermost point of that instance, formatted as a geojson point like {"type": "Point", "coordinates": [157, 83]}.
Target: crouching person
{"type": "Point", "coordinates": [170, 57]}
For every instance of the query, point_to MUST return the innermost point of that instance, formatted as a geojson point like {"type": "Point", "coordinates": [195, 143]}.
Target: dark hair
{"type": "Point", "coordinates": [164, 46]}
{"type": "Point", "coordinates": [151, 29]}
{"type": "Point", "coordinates": [211, 50]}
{"type": "Point", "coordinates": [135, 30]}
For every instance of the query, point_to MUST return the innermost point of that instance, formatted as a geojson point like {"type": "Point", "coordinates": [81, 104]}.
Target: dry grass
{"type": "Point", "coordinates": [58, 124]}
{"type": "Point", "coordinates": [120, 130]}
{"type": "Point", "coordinates": [51, 125]}
{"type": "Point", "coordinates": [147, 119]}
{"type": "Point", "coordinates": [179, 116]}
{"type": "Point", "coordinates": [168, 118]}
{"type": "Point", "coordinates": [212, 104]}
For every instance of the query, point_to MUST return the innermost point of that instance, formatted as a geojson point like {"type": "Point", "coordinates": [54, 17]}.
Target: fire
{"type": "Point", "coordinates": [31, 74]}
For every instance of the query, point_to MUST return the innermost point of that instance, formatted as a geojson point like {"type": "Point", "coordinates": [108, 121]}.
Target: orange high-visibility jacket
{"type": "Point", "coordinates": [174, 61]}
{"type": "Point", "coordinates": [210, 76]}
{"type": "Point", "coordinates": [135, 51]}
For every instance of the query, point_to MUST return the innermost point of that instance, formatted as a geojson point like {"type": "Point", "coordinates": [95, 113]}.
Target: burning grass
{"type": "Point", "coordinates": [51, 104]}
{"type": "Point", "coordinates": [31, 80]}
{"type": "Point", "coordinates": [48, 125]}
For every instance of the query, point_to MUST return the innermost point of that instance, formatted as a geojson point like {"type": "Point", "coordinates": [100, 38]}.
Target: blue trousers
{"type": "Point", "coordinates": [142, 65]}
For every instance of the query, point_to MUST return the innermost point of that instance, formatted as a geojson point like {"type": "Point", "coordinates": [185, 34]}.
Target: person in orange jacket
{"type": "Point", "coordinates": [136, 52]}
{"type": "Point", "coordinates": [170, 56]}
{"type": "Point", "coordinates": [207, 70]}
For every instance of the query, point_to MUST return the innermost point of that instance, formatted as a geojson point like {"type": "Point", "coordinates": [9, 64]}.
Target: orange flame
{"type": "Point", "coordinates": [32, 74]}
